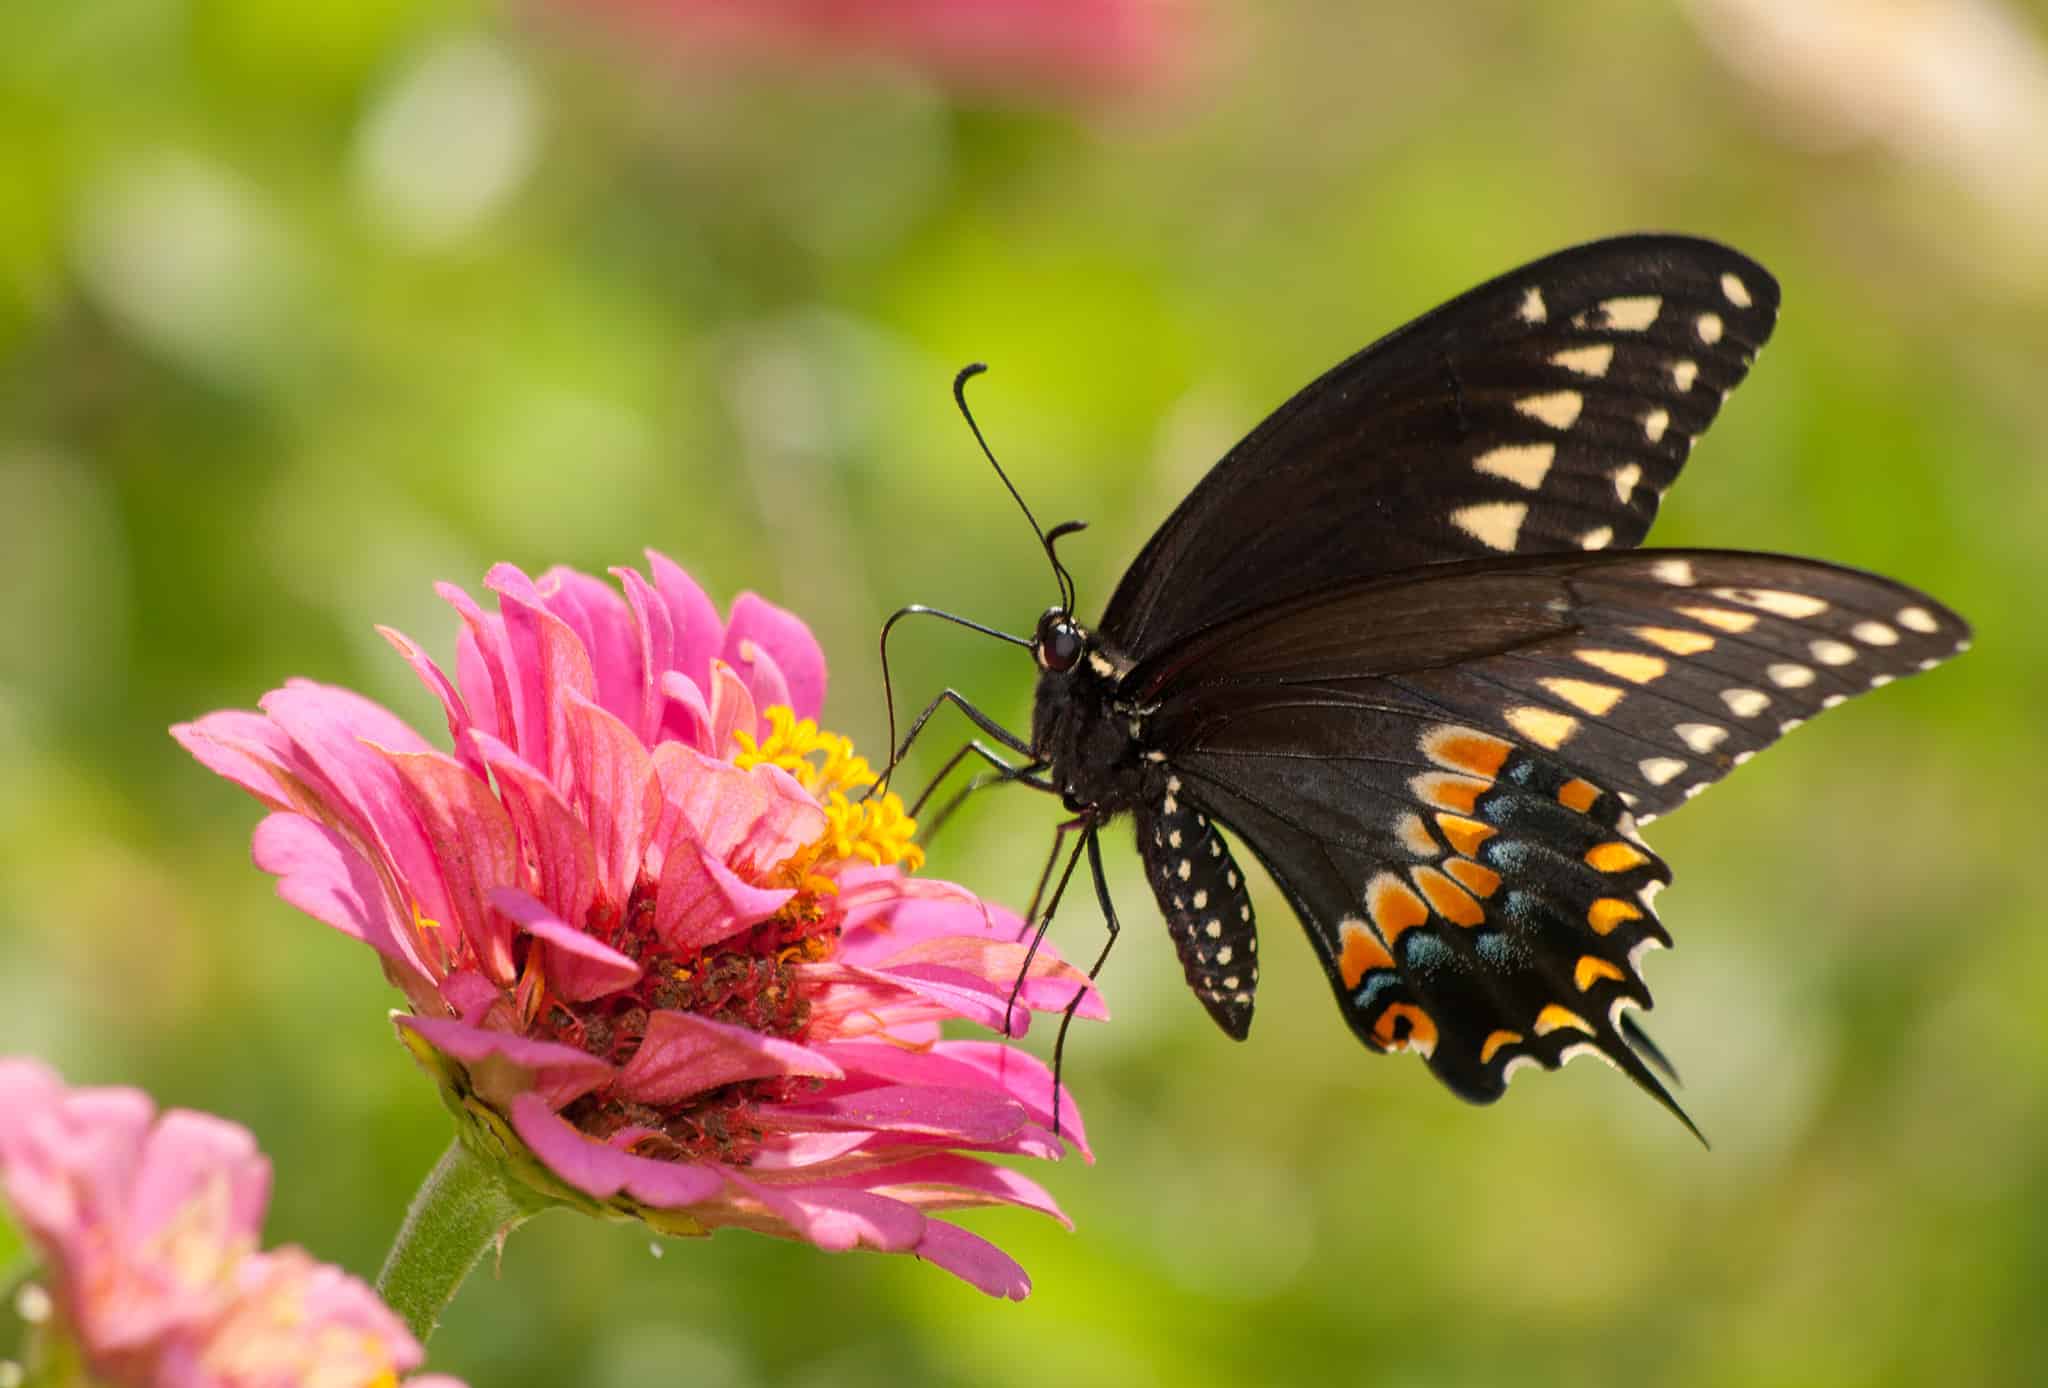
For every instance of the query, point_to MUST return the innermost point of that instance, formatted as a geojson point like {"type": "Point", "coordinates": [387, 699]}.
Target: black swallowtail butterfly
{"type": "Point", "coordinates": [1399, 643]}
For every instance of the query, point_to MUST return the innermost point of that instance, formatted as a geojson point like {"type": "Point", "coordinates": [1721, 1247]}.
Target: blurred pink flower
{"type": "Point", "coordinates": [1006, 44]}
{"type": "Point", "coordinates": [148, 1227]}
{"type": "Point", "coordinates": [657, 945]}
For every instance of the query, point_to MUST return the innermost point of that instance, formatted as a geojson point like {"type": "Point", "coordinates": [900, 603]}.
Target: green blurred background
{"type": "Point", "coordinates": [305, 307]}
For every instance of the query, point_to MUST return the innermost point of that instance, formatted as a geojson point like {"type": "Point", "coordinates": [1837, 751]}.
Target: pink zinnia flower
{"type": "Point", "coordinates": [1006, 44]}
{"type": "Point", "coordinates": [148, 1227]}
{"type": "Point", "coordinates": [658, 945]}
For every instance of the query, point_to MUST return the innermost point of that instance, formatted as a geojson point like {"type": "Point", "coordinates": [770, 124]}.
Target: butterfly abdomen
{"type": "Point", "coordinates": [1207, 908]}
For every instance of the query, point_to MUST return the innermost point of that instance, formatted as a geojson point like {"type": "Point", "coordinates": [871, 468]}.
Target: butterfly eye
{"type": "Point", "coordinates": [1058, 643]}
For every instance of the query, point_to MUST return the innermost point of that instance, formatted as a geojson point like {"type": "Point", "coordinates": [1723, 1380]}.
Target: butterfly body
{"type": "Point", "coordinates": [1399, 644]}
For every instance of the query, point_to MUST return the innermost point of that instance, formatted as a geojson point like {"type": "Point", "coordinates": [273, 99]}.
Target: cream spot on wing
{"type": "Point", "coordinates": [1834, 701]}
{"type": "Point", "coordinates": [1559, 408]}
{"type": "Point", "coordinates": [1684, 373]}
{"type": "Point", "coordinates": [1829, 652]}
{"type": "Point", "coordinates": [1523, 464]}
{"type": "Point", "coordinates": [1709, 326]}
{"type": "Point", "coordinates": [1587, 361]}
{"type": "Point", "coordinates": [1874, 634]}
{"type": "Point", "coordinates": [1675, 641]}
{"type": "Point", "coordinates": [1545, 727]}
{"type": "Point", "coordinates": [1676, 572]}
{"type": "Point", "coordinates": [1495, 524]}
{"type": "Point", "coordinates": [1660, 770]}
{"type": "Point", "coordinates": [1631, 315]}
{"type": "Point", "coordinates": [1415, 836]}
{"type": "Point", "coordinates": [1918, 619]}
{"type": "Point", "coordinates": [1701, 737]}
{"type": "Point", "coordinates": [1532, 310]}
{"type": "Point", "coordinates": [1625, 478]}
{"type": "Point", "coordinates": [1736, 290]}
{"type": "Point", "coordinates": [1880, 681]}
{"type": "Point", "coordinates": [1796, 606]}
{"type": "Point", "coordinates": [1596, 699]}
{"type": "Point", "coordinates": [1733, 622]}
{"type": "Point", "coordinates": [1632, 666]}
{"type": "Point", "coordinates": [1786, 675]}
{"type": "Point", "coordinates": [1655, 423]}
{"type": "Point", "coordinates": [1597, 539]}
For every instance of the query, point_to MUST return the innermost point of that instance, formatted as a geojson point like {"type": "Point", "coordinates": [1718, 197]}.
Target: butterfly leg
{"type": "Point", "coordinates": [1041, 923]}
{"type": "Point", "coordinates": [1006, 771]}
{"type": "Point", "coordinates": [976, 716]}
{"type": "Point", "coordinates": [1023, 775]}
{"type": "Point", "coordinates": [1091, 838]}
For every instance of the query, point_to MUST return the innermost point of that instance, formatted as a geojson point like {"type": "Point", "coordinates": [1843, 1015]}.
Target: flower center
{"type": "Point", "coordinates": [749, 979]}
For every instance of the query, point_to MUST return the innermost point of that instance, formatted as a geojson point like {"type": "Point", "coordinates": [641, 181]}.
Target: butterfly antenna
{"type": "Point", "coordinates": [1059, 570]}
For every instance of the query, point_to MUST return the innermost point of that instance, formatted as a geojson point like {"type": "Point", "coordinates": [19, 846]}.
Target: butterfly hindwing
{"type": "Point", "coordinates": [1493, 914]}
{"type": "Point", "coordinates": [1445, 771]}
{"type": "Point", "coordinates": [1545, 411]}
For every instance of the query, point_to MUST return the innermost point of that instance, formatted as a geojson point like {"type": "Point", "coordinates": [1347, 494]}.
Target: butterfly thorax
{"type": "Point", "coordinates": [1087, 734]}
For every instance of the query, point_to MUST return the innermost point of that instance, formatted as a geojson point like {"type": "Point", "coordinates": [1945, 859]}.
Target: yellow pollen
{"type": "Point", "coordinates": [874, 830]}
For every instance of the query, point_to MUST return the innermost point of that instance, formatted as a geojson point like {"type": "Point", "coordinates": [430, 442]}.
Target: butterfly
{"type": "Point", "coordinates": [1399, 644]}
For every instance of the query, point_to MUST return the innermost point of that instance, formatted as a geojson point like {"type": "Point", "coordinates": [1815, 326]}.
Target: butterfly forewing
{"type": "Point", "coordinates": [1545, 411]}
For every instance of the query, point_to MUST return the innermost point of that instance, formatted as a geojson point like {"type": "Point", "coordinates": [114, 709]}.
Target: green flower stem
{"type": "Point", "coordinates": [463, 1210]}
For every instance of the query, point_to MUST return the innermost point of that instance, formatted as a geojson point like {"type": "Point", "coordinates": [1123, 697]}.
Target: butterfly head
{"type": "Point", "coordinates": [1059, 642]}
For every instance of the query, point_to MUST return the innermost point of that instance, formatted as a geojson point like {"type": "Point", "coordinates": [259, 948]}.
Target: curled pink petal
{"type": "Point", "coordinates": [324, 875]}
{"type": "Point", "coordinates": [443, 689]}
{"type": "Point", "coordinates": [758, 671]}
{"type": "Point", "coordinates": [581, 968]}
{"type": "Point", "coordinates": [473, 837]}
{"type": "Point", "coordinates": [699, 634]}
{"type": "Point", "coordinates": [962, 1115]}
{"type": "Point", "coordinates": [683, 1054]}
{"type": "Point", "coordinates": [784, 640]}
{"type": "Point", "coordinates": [503, 1066]}
{"type": "Point", "coordinates": [973, 1259]}
{"type": "Point", "coordinates": [601, 1170]}
{"type": "Point", "coordinates": [732, 709]}
{"type": "Point", "coordinates": [701, 901]}
{"type": "Point", "coordinates": [604, 626]}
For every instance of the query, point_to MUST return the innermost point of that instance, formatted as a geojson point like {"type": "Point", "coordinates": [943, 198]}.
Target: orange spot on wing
{"type": "Point", "coordinates": [1362, 953]}
{"type": "Point", "coordinates": [1462, 749]}
{"type": "Point", "coordinates": [1448, 792]}
{"type": "Point", "coordinates": [1556, 1017]}
{"type": "Point", "coordinates": [1419, 1035]}
{"type": "Point", "coordinates": [1478, 880]}
{"type": "Point", "coordinates": [1393, 907]}
{"type": "Point", "coordinates": [1465, 834]}
{"type": "Point", "coordinates": [1615, 857]}
{"type": "Point", "coordinates": [1592, 969]}
{"type": "Point", "coordinates": [1494, 1041]}
{"type": "Point", "coordinates": [1447, 898]}
{"type": "Point", "coordinates": [1609, 912]}
{"type": "Point", "coordinates": [1578, 795]}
